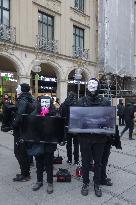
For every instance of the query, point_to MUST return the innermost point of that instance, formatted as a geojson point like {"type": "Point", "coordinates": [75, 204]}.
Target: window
{"type": "Point", "coordinates": [5, 12]}
{"type": "Point", "coordinates": [46, 26]}
{"type": "Point", "coordinates": [78, 38]}
{"type": "Point", "coordinates": [79, 4]}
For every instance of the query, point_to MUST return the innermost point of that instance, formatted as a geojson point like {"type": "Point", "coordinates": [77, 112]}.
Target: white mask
{"type": "Point", "coordinates": [45, 103]}
{"type": "Point", "coordinates": [18, 90]}
{"type": "Point", "coordinates": [92, 85]}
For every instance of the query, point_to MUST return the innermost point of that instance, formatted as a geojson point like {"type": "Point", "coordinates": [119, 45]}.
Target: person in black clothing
{"type": "Point", "coordinates": [24, 99]}
{"type": "Point", "coordinates": [129, 120]}
{"type": "Point", "coordinates": [71, 100]}
{"type": "Point", "coordinates": [45, 159]}
{"type": "Point", "coordinates": [92, 145]}
{"type": "Point", "coordinates": [8, 110]}
{"type": "Point", "coordinates": [120, 112]}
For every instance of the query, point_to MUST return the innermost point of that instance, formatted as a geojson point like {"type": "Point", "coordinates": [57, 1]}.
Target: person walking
{"type": "Point", "coordinates": [129, 120]}
{"type": "Point", "coordinates": [120, 113]}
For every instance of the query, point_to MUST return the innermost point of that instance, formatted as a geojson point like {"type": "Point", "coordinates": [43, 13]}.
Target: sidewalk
{"type": "Point", "coordinates": [121, 169]}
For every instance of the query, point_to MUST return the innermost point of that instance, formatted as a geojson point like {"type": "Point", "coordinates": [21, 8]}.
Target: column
{"type": "Point", "coordinates": [24, 79]}
{"type": "Point", "coordinates": [62, 90]}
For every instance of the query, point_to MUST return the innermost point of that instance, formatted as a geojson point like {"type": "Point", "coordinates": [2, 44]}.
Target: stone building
{"type": "Point", "coordinates": [57, 35]}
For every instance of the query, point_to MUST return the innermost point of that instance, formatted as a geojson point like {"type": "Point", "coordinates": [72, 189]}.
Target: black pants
{"type": "Point", "coordinates": [22, 157]}
{"type": "Point", "coordinates": [91, 150]}
{"type": "Point", "coordinates": [46, 160]}
{"type": "Point", "coordinates": [71, 137]}
{"type": "Point", "coordinates": [105, 157]}
{"type": "Point", "coordinates": [130, 127]}
{"type": "Point", "coordinates": [121, 119]}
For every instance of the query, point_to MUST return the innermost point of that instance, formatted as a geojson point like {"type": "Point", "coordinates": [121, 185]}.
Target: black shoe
{"type": "Point", "coordinates": [85, 189]}
{"type": "Point", "coordinates": [106, 182]}
{"type": "Point", "coordinates": [97, 190]}
{"type": "Point", "coordinates": [21, 178]}
{"type": "Point", "coordinates": [50, 188]}
{"type": "Point", "coordinates": [37, 186]}
{"type": "Point", "coordinates": [130, 138]}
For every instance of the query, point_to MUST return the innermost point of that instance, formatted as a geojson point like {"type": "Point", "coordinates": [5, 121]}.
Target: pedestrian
{"type": "Point", "coordinates": [129, 120]}
{"type": "Point", "coordinates": [120, 113]}
{"type": "Point", "coordinates": [23, 106]}
{"type": "Point", "coordinates": [92, 145]}
{"type": "Point", "coordinates": [71, 100]}
{"type": "Point", "coordinates": [8, 110]}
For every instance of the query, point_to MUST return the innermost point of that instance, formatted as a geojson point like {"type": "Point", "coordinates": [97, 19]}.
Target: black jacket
{"type": "Point", "coordinates": [22, 107]}
{"type": "Point", "coordinates": [129, 114]}
{"type": "Point", "coordinates": [89, 101]}
{"type": "Point", "coordinates": [64, 109]}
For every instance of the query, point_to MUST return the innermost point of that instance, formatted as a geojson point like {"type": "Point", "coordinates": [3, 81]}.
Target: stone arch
{"type": "Point", "coordinates": [19, 67]}
{"type": "Point", "coordinates": [50, 70]}
{"type": "Point", "coordinates": [56, 67]}
{"type": "Point", "coordinates": [86, 73]}
{"type": "Point", "coordinates": [11, 69]}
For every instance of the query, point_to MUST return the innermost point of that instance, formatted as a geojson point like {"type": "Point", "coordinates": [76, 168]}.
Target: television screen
{"type": "Point", "coordinates": [42, 129]}
{"type": "Point", "coordinates": [99, 120]}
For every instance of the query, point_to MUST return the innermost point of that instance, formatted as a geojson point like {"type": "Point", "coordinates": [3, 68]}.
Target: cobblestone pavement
{"type": "Point", "coordinates": [121, 169]}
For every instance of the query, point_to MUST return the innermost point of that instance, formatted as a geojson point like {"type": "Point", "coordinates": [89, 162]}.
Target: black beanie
{"type": "Point", "coordinates": [25, 87]}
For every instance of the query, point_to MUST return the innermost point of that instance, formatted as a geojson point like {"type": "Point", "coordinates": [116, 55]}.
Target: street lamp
{"type": "Point", "coordinates": [78, 76]}
{"type": "Point", "coordinates": [36, 69]}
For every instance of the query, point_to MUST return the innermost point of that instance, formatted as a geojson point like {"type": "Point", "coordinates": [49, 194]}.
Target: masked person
{"type": "Point", "coordinates": [23, 106]}
{"type": "Point", "coordinates": [45, 158]}
{"type": "Point", "coordinates": [92, 145]}
{"type": "Point", "coordinates": [71, 100]}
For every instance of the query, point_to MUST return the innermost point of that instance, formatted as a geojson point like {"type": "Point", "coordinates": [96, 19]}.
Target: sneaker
{"type": "Point", "coordinates": [21, 178]}
{"type": "Point", "coordinates": [50, 188]}
{"type": "Point", "coordinates": [97, 190]}
{"type": "Point", "coordinates": [131, 138]}
{"type": "Point", "coordinates": [85, 189]}
{"type": "Point", "coordinates": [106, 182]}
{"type": "Point", "coordinates": [37, 186]}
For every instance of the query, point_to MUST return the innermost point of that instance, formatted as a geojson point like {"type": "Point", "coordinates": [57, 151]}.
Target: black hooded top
{"type": "Point", "coordinates": [71, 100]}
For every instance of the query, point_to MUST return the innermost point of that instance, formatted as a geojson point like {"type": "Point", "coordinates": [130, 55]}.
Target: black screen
{"type": "Point", "coordinates": [46, 129]}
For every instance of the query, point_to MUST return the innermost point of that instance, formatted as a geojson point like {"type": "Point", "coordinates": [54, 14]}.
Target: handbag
{"type": "Point", "coordinates": [36, 149]}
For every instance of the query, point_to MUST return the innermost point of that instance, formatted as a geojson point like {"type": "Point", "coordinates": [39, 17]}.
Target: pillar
{"type": "Point", "coordinates": [62, 90]}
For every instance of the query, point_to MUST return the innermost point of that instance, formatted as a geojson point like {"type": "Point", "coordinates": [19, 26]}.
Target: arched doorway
{"type": "Point", "coordinates": [8, 76]}
{"type": "Point", "coordinates": [73, 84]}
{"type": "Point", "coordinates": [47, 80]}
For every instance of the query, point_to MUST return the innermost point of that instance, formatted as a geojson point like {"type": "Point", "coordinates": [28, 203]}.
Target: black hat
{"type": "Point", "coordinates": [25, 87]}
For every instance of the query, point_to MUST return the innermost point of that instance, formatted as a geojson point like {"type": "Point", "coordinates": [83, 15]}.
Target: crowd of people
{"type": "Point", "coordinates": [94, 148]}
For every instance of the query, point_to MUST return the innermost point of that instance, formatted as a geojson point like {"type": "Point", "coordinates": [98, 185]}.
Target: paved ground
{"type": "Point", "coordinates": [121, 168]}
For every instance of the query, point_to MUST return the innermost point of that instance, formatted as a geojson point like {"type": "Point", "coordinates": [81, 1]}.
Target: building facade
{"type": "Point", "coordinates": [117, 20]}
{"type": "Point", "coordinates": [61, 35]}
